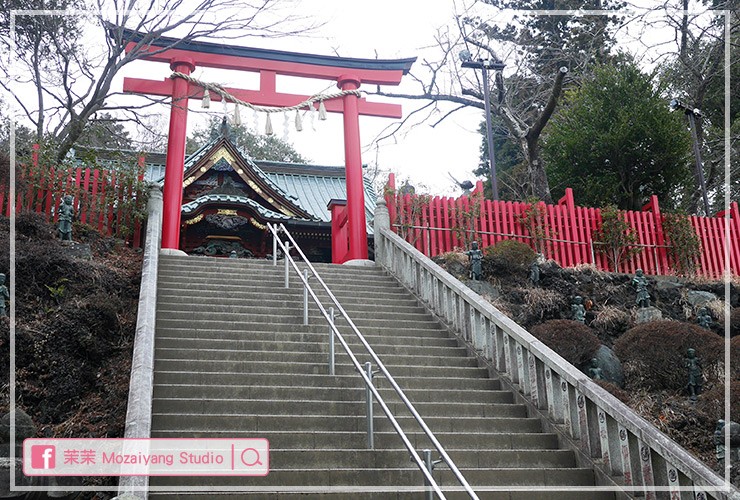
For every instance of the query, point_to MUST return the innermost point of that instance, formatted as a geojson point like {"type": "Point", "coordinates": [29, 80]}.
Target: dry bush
{"type": "Point", "coordinates": [653, 354]}
{"type": "Point", "coordinates": [588, 267]}
{"type": "Point", "coordinates": [541, 302]}
{"type": "Point", "coordinates": [574, 341]}
{"type": "Point", "coordinates": [735, 321]}
{"type": "Point", "coordinates": [453, 256]}
{"type": "Point", "coordinates": [615, 391]}
{"type": "Point", "coordinates": [611, 320]}
{"type": "Point", "coordinates": [735, 358]}
{"type": "Point", "coordinates": [507, 256]}
{"type": "Point", "coordinates": [716, 309]}
{"type": "Point", "coordinates": [712, 401]}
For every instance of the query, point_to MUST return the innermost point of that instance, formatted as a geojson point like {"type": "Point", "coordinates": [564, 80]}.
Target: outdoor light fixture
{"type": "Point", "coordinates": [692, 113]}
{"type": "Point", "coordinates": [485, 66]}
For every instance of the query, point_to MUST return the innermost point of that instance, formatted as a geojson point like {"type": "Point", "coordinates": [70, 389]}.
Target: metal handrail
{"type": "Point", "coordinates": [368, 381]}
{"type": "Point", "coordinates": [330, 320]}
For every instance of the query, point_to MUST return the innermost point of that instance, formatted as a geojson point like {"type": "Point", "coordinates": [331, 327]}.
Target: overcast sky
{"type": "Point", "coordinates": [385, 29]}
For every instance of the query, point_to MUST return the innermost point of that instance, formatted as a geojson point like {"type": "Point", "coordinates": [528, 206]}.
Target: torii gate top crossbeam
{"type": "Point", "coordinates": [212, 55]}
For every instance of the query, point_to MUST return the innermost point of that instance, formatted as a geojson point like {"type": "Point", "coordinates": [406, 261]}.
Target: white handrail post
{"type": "Point", "coordinates": [369, 403]}
{"type": "Point", "coordinates": [331, 341]}
{"type": "Point", "coordinates": [286, 257]}
{"type": "Point", "coordinates": [305, 297]}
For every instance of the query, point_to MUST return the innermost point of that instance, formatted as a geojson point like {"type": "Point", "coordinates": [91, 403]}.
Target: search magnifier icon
{"type": "Point", "coordinates": [246, 456]}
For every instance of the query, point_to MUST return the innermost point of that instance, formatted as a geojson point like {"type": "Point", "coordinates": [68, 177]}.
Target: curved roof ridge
{"type": "Point", "coordinates": [192, 206]}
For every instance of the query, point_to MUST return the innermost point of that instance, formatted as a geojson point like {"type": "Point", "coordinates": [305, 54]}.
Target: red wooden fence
{"type": "Point", "coordinates": [99, 198]}
{"type": "Point", "coordinates": [435, 226]}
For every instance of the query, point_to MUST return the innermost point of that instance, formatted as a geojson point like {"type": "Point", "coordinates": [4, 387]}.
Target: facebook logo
{"type": "Point", "coordinates": [43, 457]}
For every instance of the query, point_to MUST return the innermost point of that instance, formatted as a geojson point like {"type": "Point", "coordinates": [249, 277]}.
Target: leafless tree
{"type": "Point", "coordinates": [72, 58]}
{"type": "Point", "coordinates": [693, 62]}
{"type": "Point", "coordinates": [527, 96]}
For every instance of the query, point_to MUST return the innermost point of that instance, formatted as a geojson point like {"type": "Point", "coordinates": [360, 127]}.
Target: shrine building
{"type": "Point", "coordinates": [228, 198]}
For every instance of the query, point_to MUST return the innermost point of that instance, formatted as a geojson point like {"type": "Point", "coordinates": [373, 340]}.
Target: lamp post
{"type": "Point", "coordinates": [692, 113]}
{"type": "Point", "coordinates": [485, 66]}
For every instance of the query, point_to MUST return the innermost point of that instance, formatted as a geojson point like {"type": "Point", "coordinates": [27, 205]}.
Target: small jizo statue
{"type": "Point", "coordinates": [66, 212]}
{"type": "Point", "coordinates": [578, 310]}
{"type": "Point", "coordinates": [719, 441]}
{"type": "Point", "coordinates": [4, 295]}
{"type": "Point", "coordinates": [476, 257]}
{"type": "Point", "coordinates": [704, 319]}
{"type": "Point", "coordinates": [641, 282]}
{"type": "Point", "coordinates": [693, 364]}
{"type": "Point", "coordinates": [534, 273]}
{"type": "Point", "coordinates": [594, 371]}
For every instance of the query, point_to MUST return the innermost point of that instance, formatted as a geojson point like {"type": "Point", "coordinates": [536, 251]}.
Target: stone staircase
{"type": "Point", "coordinates": [233, 359]}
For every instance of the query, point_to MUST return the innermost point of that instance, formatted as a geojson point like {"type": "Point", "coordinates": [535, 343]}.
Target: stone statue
{"type": "Point", "coordinates": [534, 273]}
{"type": "Point", "coordinates": [476, 257]}
{"type": "Point", "coordinates": [719, 441]}
{"type": "Point", "coordinates": [578, 310]}
{"type": "Point", "coordinates": [233, 255]}
{"type": "Point", "coordinates": [641, 282]}
{"type": "Point", "coordinates": [594, 371]}
{"type": "Point", "coordinates": [3, 296]}
{"type": "Point", "coordinates": [66, 213]}
{"type": "Point", "coordinates": [693, 364]}
{"type": "Point", "coordinates": [704, 319]}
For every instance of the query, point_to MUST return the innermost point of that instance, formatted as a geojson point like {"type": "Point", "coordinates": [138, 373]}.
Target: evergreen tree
{"type": "Point", "coordinates": [615, 141]}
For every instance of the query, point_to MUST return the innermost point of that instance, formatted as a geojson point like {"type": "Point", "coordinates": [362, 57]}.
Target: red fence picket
{"type": "Point", "coordinates": [569, 231]}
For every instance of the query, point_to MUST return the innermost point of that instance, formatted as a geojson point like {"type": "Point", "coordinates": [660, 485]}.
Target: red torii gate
{"type": "Point", "coordinates": [349, 73]}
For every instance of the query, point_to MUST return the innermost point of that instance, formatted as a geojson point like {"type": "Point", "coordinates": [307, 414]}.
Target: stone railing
{"type": "Point", "coordinates": [631, 451]}
{"type": "Point", "coordinates": [141, 384]}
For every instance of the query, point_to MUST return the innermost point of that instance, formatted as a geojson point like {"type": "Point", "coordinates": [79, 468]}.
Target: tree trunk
{"type": "Point", "coordinates": [536, 170]}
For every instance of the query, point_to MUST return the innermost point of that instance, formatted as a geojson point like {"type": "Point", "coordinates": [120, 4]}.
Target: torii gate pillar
{"type": "Point", "coordinates": [173, 170]}
{"type": "Point", "coordinates": [353, 165]}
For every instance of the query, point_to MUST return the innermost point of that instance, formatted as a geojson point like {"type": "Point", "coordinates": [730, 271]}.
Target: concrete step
{"type": "Point", "coordinates": [207, 406]}
{"type": "Point", "coordinates": [229, 264]}
{"type": "Point", "coordinates": [289, 346]}
{"type": "Point", "coordinates": [310, 357]}
{"type": "Point", "coordinates": [273, 274]}
{"type": "Point", "coordinates": [306, 338]}
{"type": "Point", "coordinates": [343, 368]}
{"type": "Point", "coordinates": [341, 459]}
{"type": "Point", "coordinates": [232, 378]}
{"type": "Point", "coordinates": [323, 440]}
{"type": "Point", "coordinates": [267, 284]}
{"type": "Point", "coordinates": [236, 325]}
{"type": "Point", "coordinates": [346, 423]}
{"type": "Point", "coordinates": [292, 392]}
{"type": "Point", "coordinates": [390, 493]}
{"type": "Point", "coordinates": [269, 312]}
{"type": "Point", "coordinates": [225, 282]}
{"type": "Point", "coordinates": [288, 298]}
{"type": "Point", "coordinates": [171, 296]}
{"type": "Point", "coordinates": [407, 475]}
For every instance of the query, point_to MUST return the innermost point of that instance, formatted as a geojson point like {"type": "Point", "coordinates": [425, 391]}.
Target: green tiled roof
{"type": "Point", "coordinates": [315, 186]}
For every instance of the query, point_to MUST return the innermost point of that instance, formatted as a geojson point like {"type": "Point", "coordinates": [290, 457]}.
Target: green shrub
{"type": "Point", "coordinates": [653, 354]}
{"type": "Point", "coordinates": [508, 256]}
{"type": "Point", "coordinates": [574, 341]}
